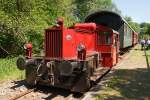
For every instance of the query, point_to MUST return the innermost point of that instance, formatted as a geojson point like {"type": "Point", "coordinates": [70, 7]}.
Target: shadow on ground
{"type": "Point", "coordinates": [51, 92]}
{"type": "Point", "coordinates": [19, 83]}
{"type": "Point", "coordinates": [126, 85]}
{"type": "Point", "coordinates": [130, 84]}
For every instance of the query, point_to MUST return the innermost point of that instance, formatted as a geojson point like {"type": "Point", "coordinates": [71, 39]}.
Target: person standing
{"type": "Point", "coordinates": [142, 44]}
{"type": "Point", "coordinates": [148, 44]}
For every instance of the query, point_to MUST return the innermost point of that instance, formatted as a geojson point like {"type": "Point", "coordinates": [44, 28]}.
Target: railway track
{"type": "Point", "coordinates": [40, 93]}
{"type": "Point", "coordinates": [51, 93]}
{"type": "Point", "coordinates": [22, 94]}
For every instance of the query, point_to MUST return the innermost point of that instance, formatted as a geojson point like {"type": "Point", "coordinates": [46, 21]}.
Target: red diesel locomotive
{"type": "Point", "coordinates": [74, 57]}
{"type": "Point", "coordinates": [78, 56]}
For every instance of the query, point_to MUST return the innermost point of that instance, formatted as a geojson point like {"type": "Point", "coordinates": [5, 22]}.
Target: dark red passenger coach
{"type": "Point", "coordinates": [74, 57]}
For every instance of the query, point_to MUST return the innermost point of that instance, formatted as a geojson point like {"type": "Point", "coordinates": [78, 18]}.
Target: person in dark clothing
{"type": "Point", "coordinates": [148, 44]}
{"type": "Point", "coordinates": [142, 44]}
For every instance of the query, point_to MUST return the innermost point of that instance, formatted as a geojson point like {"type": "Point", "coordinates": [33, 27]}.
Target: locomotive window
{"type": "Point", "coordinates": [115, 40]}
{"type": "Point", "coordinates": [104, 38]}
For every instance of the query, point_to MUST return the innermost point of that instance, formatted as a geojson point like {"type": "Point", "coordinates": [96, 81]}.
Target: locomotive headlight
{"type": "Point", "coordinates": [27, 46]}
{"type": "Point", "coordinates": [80, 47]}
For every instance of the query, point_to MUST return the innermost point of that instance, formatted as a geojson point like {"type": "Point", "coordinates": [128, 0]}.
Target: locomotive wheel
{"type": "Point", "coordinates": [31, 74]}
{"type": "Point", "coordinates": [82, 82]}
{"type": "Point", "coordinates": [34, 72]}
{"type": "Point", "coordinates": [88, 82]}
{"type": "Point", "coordinates": [91, 67]}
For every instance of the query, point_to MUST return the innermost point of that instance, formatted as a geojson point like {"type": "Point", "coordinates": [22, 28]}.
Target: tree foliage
{"type": "Point", "coordinates": [84, 7]}
{"type": "Point", "coordinates": [18, 19]}
{"type": "Point", "coordinates": [145, 30]}
{"type": "Point", "coordinates": [24, 21]}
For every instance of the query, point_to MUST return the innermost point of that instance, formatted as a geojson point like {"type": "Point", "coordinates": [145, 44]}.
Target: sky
{"type": "Point", "coordinates": [138, 10]}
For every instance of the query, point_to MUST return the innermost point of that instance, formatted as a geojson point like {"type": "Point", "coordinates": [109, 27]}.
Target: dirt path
{"type": "Point", "coordinates": [129, 80]}
{"type": "Point", "coordinates": [134, 60]}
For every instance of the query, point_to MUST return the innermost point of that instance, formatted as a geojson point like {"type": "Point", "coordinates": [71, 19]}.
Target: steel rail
{"type": "Point", "coordinates": [22, 94]}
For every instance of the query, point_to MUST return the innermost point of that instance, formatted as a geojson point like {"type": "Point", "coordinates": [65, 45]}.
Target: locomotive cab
{"type": "Point", "coordinates": [107, 43]}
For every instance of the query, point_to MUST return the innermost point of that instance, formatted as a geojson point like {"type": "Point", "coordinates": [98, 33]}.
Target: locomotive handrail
{"type": "Point", "coordinates": [84, 31]}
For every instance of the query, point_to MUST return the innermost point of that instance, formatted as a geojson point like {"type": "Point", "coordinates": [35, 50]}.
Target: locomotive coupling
{"type": "Point", "coordinates": [22, 62]}
{"type": "Point", "coordinates": [66, 68]}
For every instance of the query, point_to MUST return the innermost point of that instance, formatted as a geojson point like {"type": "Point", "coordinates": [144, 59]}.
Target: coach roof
{"type": "Point", "coordinates": [107, 18]}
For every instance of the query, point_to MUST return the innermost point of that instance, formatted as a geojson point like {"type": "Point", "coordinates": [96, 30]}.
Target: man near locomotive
{"type": "Point", "coordinates": [142, 44]}
{"type": "Point", "coordinates": [148, 44]}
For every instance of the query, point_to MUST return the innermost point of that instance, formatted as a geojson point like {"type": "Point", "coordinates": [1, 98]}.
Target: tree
{"type": "Point", "coordinates": [145, 28]}
{"type": "Point", "coordinates": [114, 8]}
{"type": "Point", "coordinates": [18, 18]}
{"type": "Point", "coordinates": [145, 31]}
{"type": "Point", "coordinates": [128, 19]}
{"type": "Point", "coordinates": [84, 7]}
{"type": "Point", "coordinates": [135, 26]}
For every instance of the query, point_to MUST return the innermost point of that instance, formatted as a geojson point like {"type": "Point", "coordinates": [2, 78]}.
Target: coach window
{"type": "Point", "coordinates": [104, 38]}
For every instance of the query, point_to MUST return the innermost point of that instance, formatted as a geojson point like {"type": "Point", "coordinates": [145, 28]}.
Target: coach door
{"type": "Point", "coordinates": [104, 42]}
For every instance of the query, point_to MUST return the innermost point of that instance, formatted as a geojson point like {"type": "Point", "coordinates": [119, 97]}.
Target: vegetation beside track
{"type": "Point", "coordinates": [8, 69]}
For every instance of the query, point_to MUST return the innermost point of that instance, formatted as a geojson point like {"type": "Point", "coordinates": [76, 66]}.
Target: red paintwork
{"type": "Point", "coordinates": [85, 26]}
{"type": "Point", "coordinates": [109, 53]}
{"type": "Point", "coordinates": [85, 34]}
{"type": "Point", "coordinates": [77, 37]}
{"type": "Point", "coordinates": [134, 38]}
{"type": "Point", "coordinates": [71, 38]}
{"type": "Point", "coordinates": [28, 47]}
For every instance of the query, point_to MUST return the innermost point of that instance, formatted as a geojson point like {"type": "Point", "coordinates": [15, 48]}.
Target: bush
{"type": "Point", "coordinates": [8, 69]}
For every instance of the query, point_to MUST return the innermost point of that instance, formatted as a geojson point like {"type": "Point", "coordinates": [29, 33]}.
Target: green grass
{"type": "Point", "coordinates": [99, 98]}
{"type": "Point", "coordinates": [8, 69]}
